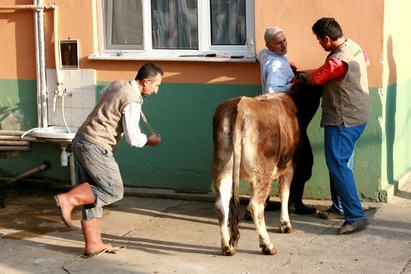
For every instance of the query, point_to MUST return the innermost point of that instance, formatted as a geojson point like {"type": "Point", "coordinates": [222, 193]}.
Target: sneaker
{"type": "Point", "coordinates": [302, 209]}
{"type": "Point", "coordinates": [349, 227]}
{"type": "Point", "coordinates": [329, 214]}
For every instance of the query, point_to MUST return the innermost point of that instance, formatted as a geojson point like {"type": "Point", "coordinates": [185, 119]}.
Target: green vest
{"type": "Point", "coordinates": [346, 101]}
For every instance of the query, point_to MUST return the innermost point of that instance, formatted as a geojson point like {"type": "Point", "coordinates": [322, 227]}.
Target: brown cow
{"type": "Point", "coordinates": [255, 140]}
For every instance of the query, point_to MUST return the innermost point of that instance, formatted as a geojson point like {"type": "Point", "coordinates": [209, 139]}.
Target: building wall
{"type": "Point", "coordinates": [396, 93]}
{"type": "Point", "coordinates": [182, 110]}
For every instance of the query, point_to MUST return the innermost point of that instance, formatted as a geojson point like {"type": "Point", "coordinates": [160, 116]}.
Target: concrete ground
{"type": "Point", "coordinates": [168, 232]}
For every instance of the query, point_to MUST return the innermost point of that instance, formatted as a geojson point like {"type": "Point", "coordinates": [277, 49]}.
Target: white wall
{"type": "Point", "coordinates": [79, 99]}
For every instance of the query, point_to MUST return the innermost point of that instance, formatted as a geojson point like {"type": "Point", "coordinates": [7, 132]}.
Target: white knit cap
{"type": "Point", "coordinates": [270, 33]}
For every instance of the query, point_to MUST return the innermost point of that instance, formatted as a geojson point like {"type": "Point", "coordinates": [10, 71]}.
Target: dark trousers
{"type": "Point", "coordinates": [307, 100]}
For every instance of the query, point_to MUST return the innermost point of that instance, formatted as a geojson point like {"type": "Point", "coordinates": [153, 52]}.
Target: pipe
{"type": "Point", "coordinates": [41, 167]}
{"type": "Point", "coordinates": [38, 83]}
{"type": "Point", "coordinates": [64, 156]}
{"type": "Point", "coordinates": [16, 138]}
{"type": "Point", "coordinates": [42, 61]}
{"type": "Point", "coordinates": [27, 7]}
{"type": "Point", "coordinates": [14, 143]}
{"type": "Point", "coordinates": [11, 132]}
{"type": "Point", "coordinates": [28, 131]}
{"type": "Point", "coordinates": [56, 51]}
{"type": "Point", "coordinates": [15, 148]}
{"type": "Point", "coordinates": [62, 113]}
{"type": "Point", "coordinates": [73, 181]}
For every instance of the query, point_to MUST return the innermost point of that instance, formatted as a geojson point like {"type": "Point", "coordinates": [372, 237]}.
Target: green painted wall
{"type": "Point", "coordinates": [396, 160]}
{"type": "Point", "coordinates": [18, 111]}
{"type": "Point", "coordinates": [18, 107]}
{"type": "Point", "coordinates": [367, 161]}
{"type": "Point", "coordinates": [182, 114]}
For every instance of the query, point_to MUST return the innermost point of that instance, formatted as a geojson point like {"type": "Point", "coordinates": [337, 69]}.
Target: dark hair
{"type": "Point", "coordinates": [327, 27]}
{"type": "Point", "coordinates": [148, 70]}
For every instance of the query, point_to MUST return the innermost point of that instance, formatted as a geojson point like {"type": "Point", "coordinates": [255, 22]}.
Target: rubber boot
{"type": "Point", "coordinates": [92, 239]}
{"type": "Point", "coordinates": [80, 195]}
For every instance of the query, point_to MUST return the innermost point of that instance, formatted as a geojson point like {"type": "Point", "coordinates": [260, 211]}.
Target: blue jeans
{"type": "Point", "coordinates": [339, 145]}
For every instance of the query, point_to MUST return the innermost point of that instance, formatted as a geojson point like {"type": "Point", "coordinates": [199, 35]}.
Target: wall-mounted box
{"type": "Point", "coordinates": [69, 54]}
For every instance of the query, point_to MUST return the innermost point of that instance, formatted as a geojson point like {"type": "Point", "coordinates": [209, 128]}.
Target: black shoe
{"type": "Point", "coordinates": [302, 209]}
{"type": "Point", "coordinates": [329, 214]}
{"type": "Point", "coordinates": [349, 227]}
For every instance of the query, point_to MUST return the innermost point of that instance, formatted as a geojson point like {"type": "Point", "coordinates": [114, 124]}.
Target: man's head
{"type": "Point", "coordinates": [275, 40]}
{"type": "Point", "coordinates": [149, 78]}
{"type": "Point", "coordinates": [327, 32]}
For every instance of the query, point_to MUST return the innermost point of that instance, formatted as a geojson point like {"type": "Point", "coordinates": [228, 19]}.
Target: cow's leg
{"type": "Point", "coordinates": [284, 193]}
{"type": "Point", "coordinates": [259, 194]}
{"type": "Point", "coordinates": [223, 189]}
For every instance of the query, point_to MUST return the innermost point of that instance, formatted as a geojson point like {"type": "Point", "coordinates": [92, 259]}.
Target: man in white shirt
{"type": "Point", "coordinates": [276, 72]}
{"type": "Point", "coordinates": [277, 75]}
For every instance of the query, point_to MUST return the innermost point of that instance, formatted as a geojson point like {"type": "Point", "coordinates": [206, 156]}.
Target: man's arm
{"type": "Point", "coordinates": [131, 120]}
{"type": "Point", "coordinates": [276, 78]}
{"type": "Point", "coordinates": [132, 131]}
{"type": "Point", "coordinates": [332, 69]}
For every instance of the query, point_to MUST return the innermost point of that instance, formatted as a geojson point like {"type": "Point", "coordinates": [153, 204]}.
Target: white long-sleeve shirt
{"type": "Point", "coordinates": [132, 131]}
{"type": "Point", "coordinates": [131, 122]}
{"type": "Point", "coordinates": [276, 72]}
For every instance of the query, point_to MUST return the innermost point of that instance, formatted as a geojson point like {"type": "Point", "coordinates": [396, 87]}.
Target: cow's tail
{"type": "Point", "coordinates": [234, 217]}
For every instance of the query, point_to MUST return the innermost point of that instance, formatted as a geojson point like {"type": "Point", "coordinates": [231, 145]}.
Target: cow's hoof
{"type": "Point", "coordinates": [228, 251]}
{"type": "Point", "coordinates": [285, 228]}
{"type": "Point", "coordinates": [269, 251]}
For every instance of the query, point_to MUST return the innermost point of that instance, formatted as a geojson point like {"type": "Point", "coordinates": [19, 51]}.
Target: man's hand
{"type": "Point", "coordinates": [302, 77]}
{"type": "Point", "coordinates": [153, 140]}
{"type": "Point", "coordinates": [294, 69]}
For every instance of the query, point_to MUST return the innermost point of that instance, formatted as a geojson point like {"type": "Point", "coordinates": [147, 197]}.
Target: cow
{"type": "Point", "coordinates": [255, 139]}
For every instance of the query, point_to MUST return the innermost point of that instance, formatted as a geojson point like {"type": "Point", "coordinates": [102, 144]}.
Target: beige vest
{"type": "Point", "coordinates": [103, 126]}
{"type": "Point", "coordinates": [347, 101]}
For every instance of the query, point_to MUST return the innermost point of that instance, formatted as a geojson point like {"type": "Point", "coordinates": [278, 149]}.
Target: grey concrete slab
{"type": "Point", "coordinates": [181, 235]}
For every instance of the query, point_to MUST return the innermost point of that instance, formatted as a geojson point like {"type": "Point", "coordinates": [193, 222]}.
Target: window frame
{"type": "Point", "coordinates": [148, 53]}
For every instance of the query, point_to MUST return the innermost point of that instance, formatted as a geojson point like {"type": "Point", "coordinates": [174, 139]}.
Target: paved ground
{"type": "Point", "coordinates": [181, 235]}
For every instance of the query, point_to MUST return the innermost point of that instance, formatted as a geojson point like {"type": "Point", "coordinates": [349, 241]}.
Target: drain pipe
{"type": "Point", "coordinates": [41, 167]}
{"type": "Point", "coordinates": [73, 180]}
{"type": "Point", "coordinates": [56, 51]}
{"type": "Point", "coordinates": [42, 64]}
{"type": "Point", "coordinates": [38, 82]}
{"type": "Point", "coordinates": [11, 140]}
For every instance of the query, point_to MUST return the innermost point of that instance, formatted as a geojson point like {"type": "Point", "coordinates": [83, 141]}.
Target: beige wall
{"type": "Point", "coordinates": [397, 41]}
{"type": "Point", "coordinates": [361, 21]}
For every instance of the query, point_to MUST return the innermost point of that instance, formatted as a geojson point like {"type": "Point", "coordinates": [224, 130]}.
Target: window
{"type": "Point", "coordinates": [175, 27]}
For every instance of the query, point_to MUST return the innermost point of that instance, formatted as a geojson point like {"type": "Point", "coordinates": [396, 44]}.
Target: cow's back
{"type": "Point", "coordinates": [269, 133]}
{"type": "Point", "coordinates": [267, 127]}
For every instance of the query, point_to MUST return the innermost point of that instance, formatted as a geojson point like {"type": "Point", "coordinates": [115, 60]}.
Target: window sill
{"type": "Point", "coordinates": [186, 58]}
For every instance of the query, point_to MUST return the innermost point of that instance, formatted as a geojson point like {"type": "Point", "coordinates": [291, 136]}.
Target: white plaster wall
{"type": "Point", "coordinates": [79, 99]}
